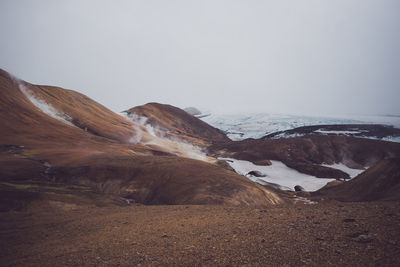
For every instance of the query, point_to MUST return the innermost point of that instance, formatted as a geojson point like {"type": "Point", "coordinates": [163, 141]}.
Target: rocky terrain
{"type": "Point", "coordinates": [324, 234]}
{"type": "Point", "coordinates": [82, 185]}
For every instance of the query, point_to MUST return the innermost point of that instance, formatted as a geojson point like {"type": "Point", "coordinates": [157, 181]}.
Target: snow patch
{"type": "Point", "coordinates": [303, 200]}
{"type": "Point", "coordinates": [340, 166]}
{"type": "Point", "coordinates": [389, 139]}
{"type": "Point", "coordinates": [338, 132]}
{"type": "Point", "coordinates": [278, 173]}
{"type": "Point", "coordinates": [287, 135]}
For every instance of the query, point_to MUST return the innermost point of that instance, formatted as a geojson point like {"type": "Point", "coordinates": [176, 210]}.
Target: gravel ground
{"type": "Point", "coordinates": [323, 234]}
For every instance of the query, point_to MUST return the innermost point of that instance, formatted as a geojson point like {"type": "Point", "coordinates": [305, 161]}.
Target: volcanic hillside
{"type": "Point", "coordinates": [50, 134]}
{"type": "Point", "coordinates": [176, 121]}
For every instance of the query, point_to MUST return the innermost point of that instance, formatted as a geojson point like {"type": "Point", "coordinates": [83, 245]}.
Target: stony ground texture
{"type": "Point", "coordinates": [324, 234]}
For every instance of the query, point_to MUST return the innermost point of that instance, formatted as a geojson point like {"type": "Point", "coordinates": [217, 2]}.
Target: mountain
{"type": "Point", "coordinates": [373, 131]}
{"type": "Point", "coordinates": [192, 111]}
{"type": "Point", "coordinates": [380, 182]}
{"type": "Point", "coordinates": [157, 154]}
{"type": "Point", "coordinates": [50, 134]}
{"type": "Point", "coordinates": [307, 153]}
{"type": "Point", "coordinates": [257, 125]}
{"type": "Point", "coordinates": [176, 122]}
{"type": "Point", "coordinates": [74, 177]}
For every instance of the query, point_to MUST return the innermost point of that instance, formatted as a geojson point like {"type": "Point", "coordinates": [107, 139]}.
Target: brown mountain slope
{"type": "Point", "coordinates": [19, 116]}
{"type": "Point", "coordinates": [306, 153]}
{"type": "Point", "coordinates": [36, 146]}
{"type": "Point", "coordinates": [380, 182]}
{"type": "Point", "coordinates": [176, 121]}
{"type": "Point", "coordinates": [164, 180]}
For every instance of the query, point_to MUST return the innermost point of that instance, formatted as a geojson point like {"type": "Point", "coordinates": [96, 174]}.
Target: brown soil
{"type": "Point", "coordinates": [325, 234]}
{"type": "Point", "coordinates": [380, 182]}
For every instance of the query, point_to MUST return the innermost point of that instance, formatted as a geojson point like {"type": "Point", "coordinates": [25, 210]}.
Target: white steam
{"type": "Point", "coordinates": [153, 131]}
{"type": "Point", "coordinates": [160, 139]}
{"type": "Point", "coordinates": [43, 105]}
{"type": "Point", "coordinates": [137, 137]}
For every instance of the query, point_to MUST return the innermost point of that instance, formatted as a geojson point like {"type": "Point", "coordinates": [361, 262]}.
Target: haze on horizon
{"type": "Point", "coordinates": [298, 57]}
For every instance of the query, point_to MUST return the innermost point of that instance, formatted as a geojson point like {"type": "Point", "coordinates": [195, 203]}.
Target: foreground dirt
{"type": "Point", "coordinates": [324, 234]}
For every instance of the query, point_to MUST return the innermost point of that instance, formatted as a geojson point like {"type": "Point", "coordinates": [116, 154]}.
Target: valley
{"type": "Point", "coordinates": [82, 185]}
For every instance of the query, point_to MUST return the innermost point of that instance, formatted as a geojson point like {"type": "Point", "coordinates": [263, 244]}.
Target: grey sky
{"type": "Point", "coordinates": [311, 57]}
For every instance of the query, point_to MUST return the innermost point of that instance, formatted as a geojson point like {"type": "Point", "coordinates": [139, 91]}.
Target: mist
{"type": "Point", "coordinates": [298, 57]}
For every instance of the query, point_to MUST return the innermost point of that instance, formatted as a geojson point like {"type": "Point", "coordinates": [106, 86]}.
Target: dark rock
{"type": "Point", "coordinates": [298, 188]}
{"type": "Point", "coordinates": [365, 238]}
{"type": "Point", "coordinates": [357, 234]}
{"type": "Point", "coordinates": [264, 162]}
{"type": "Point", "coordinates": [256, 174]}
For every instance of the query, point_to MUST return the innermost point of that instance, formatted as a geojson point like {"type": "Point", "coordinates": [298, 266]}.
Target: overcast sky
{"type": "Point", "coordinates": [299, 57]}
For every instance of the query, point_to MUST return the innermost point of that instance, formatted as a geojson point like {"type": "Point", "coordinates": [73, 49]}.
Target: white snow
{"type": "Point", "coordinates": [242, 126]}
{"type": "Point", "coordinates": [389, 139]}
{"type": "Point", "coordinates": [340, 166]}
{"type": "Point", "coordinates": [45, 107]}
{"type": "Point", "coordinates": [303, 200]}
{"type": "Point", "coordinates": [286, 135]}
{"type": "Point", "coordinates": [338, 132]}
{"type": "Point", "coordinates": [247, 125]}
{"type": "Point", "coordinates": [278, 173]}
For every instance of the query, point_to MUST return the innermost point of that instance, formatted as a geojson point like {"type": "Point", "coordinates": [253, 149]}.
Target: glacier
{"type": "Point", "coordinates": [246, 125]}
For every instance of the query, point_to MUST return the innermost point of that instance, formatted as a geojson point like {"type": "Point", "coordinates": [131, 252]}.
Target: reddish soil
{"type": "Point", "coordinates": [326, 234]}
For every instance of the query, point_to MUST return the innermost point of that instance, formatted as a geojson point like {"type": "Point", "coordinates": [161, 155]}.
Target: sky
{"type": "Point", "coordinates": [297, 57]}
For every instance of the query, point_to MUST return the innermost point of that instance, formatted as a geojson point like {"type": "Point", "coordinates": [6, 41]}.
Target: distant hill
{"type": "Point", "coordinates": [380, 182]}
{"type": "Point", "coordinates": [192, 111]}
